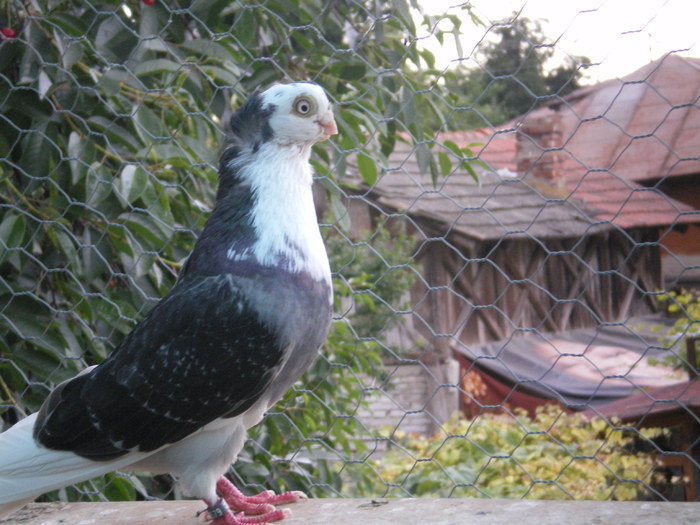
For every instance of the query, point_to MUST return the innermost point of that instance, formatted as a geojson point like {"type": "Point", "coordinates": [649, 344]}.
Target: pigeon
{"type": "Point", "coordinates": [246, 317]}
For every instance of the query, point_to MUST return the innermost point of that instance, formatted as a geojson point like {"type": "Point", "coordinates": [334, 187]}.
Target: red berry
{"type": "Point", "coordinates": [149, 2]}
{"type": "Point", "coordinates": [8, 32]}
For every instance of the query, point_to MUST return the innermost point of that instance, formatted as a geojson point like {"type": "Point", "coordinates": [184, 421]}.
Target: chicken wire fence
{"type": "Point", "coordinates": [514, 254]}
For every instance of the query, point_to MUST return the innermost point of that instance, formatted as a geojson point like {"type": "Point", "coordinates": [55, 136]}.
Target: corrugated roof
{"type": "Point", "coordinates": [587, 366]}
{"type": "Point", "coordinates": [652, 407]}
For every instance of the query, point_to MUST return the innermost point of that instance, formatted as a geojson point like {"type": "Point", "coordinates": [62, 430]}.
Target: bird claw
{"type": "Point", "coordinates": [241, 519]}
{"type": "Point", "coordinates": [269, 497]}
{"type": "Point", "coordinates": [261, 505]}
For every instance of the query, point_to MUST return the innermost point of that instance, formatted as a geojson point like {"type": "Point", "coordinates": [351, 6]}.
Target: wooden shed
{"type": "Point", "coordinates": [564, 229]}
{"type": "Point", "coordinates": [627, 136]}
{"type": "Point", "coordinates": [515, 254]}
{"type": "Point", "coordinates": [551, 238]}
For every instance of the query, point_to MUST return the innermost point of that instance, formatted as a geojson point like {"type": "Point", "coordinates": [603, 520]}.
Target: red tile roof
{"type": "Point", "coordinates": [642, 127]}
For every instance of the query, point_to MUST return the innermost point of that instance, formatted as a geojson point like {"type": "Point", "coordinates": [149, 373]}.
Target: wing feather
{"type": "Point", "coordinates": [202, 353]}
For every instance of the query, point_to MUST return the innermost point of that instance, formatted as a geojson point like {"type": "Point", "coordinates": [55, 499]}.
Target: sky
{"type": "Point", "coordinates": [618, 36]}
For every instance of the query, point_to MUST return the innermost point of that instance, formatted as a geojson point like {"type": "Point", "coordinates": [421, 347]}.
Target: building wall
{"type": "Point", "coordinates": [681, 245]}
{"type": "Point", "coordinates": [517, 285]}
{"type": "Point", "coordinates": [403, 402]}
{"type": "Point", "coordinates": [400, 403]}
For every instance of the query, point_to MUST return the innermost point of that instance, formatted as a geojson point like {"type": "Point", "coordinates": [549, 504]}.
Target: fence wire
{"type": "Point", "coordinates": [515, 247]}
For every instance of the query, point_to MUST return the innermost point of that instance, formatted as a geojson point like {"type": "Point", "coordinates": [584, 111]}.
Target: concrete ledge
{"type": "Point", "coordinates": [376, 512]}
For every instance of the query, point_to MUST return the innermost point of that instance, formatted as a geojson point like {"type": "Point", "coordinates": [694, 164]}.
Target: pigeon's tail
{"type": "Point", "coordinates": [28, 470]}
{"type": "Point", "coordinates": [17, 485]}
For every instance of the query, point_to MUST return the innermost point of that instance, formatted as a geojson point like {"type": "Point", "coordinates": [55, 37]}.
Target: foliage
{"type": "Point", "coordinates": [685, 307]}
{"type": "Point", "coordinates": [553, 456]}
{"type": "Point", "coordinates": [513, 76]}
{"type": "Point", "coordinates": [110, 123]}
{"type": "Point", "coordinates": [376, 272]}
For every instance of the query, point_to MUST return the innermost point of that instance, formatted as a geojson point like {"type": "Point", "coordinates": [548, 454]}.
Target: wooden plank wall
{"type": "Point", "coordinates": [482, 292]}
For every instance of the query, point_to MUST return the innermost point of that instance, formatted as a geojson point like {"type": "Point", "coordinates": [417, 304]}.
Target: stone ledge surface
{"type": "Point", "coordinates": [416, 511]}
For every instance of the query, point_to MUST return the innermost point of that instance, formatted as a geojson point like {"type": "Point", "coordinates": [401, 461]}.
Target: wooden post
{"type": "Point", "coordinates": [443, 399]}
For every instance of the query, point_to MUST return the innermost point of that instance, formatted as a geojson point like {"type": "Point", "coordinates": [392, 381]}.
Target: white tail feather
{"type": "Point", "coordinates": [27, 470]}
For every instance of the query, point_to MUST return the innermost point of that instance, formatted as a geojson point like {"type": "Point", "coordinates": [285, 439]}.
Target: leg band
{"type": "Point", "coordinates": [217, 510]}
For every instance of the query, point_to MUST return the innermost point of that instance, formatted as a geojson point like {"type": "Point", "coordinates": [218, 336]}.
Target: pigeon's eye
{"type": "Point", "coordinates": [304, 106]}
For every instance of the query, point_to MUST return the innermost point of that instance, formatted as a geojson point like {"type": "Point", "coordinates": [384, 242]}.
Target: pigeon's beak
{"type": "Point", "coordinates": [327, 123]}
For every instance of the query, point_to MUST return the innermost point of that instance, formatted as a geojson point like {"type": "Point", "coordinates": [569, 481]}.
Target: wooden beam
{"type": "Point", "coordinates": [467, 286]}
{"type": "Point", "coordinates": [377, 511]}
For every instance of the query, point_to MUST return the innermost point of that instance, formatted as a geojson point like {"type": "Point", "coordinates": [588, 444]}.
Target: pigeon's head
{"type": "Point", "coordinates": [287, 114]}
{"type": "Point", "coordinates": [299, 113]}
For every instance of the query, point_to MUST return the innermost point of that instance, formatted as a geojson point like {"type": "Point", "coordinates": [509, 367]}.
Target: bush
{"type": "Point", "coordinates": [553, 456]}
{"type": "Point", "coordinates": [684, 306]}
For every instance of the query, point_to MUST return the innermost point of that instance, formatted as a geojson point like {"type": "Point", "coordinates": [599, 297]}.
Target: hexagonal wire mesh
{"type": "Point", "coordinates": [513, 253]}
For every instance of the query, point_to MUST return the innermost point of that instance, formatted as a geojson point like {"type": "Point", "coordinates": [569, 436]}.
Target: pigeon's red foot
{"type": "Point", "coordinates": [219, 513]}
{"type": "Point", "coordinates": [261, 505]}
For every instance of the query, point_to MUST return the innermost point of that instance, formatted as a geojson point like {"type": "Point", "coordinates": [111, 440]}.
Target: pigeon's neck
{"type": "Point", "coordinates": [279, 227]}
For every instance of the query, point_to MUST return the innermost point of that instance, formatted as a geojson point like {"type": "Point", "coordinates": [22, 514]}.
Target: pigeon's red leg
{"type": "Point", "coordinates": [263, 503]}
{"type": "Point", "coordinates": [219, 513]}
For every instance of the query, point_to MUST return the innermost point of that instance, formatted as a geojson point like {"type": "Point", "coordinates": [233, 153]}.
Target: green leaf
{"type": "Point", "coordinates": [113, 131]}
{"type": "Point", "coordinates": [110, 81]}
{"type": "Point", "coordinates": [158, 206]}
{"type": "Point", "coordinates": [36, 152]}
{"type": "Point", "coordinates": [73, 347]}
{"type": "Point", "coordinates": [472, 172]}
{"type": "Point", "coordinates": [146, 229]}
{"type": "Point", "coordinates": [167, 153]}
{"type": "Point", "coordinates": [149, 126]}
{"type": "Point", "coordinates": [340, 212]}
{"type": "Point", "coordinates": [66, 245]}
{"type": "Point", "coordinates": [155, 67]}
{"type": "Point", "coordinates": [28, 318]}
{"type": "Point", "coordinates": [353, 71]}
{"type": "Point", "coordinates": [445, 163]}
{"type": "Point", "coordinates": [454, 148]}
{"type": "Point", "coordinates": [218, 73]}
{"type": "Point", "coordinates": [132, 183]}
{"type": "Point", "coordinates": [41, 358]}
{"type": "Point", "coordinates": [423, 157]}
{"type": "Point", "coordinates": [428, 57]}
{"type": "Point", "coordinates": [115, 39]}
{"type": "Point", "coordinates": [149, 27]}
{"type": "Point", "coordinates": [71, 25]}
{"type": "Point", "coordinates": [116, 488]}
{"type": "Point", "coordinates": [96, 254]}
{"type": "Point", "coordinates": [207, 48]}
{"type": "Point", "coordinates": [73, 50]}
{"type": "Point", "coordinates": [29, 66]}
{"type": "Point", "coordinates": [367, 167]}
{"type": "Point", "coordinates": [12, 231]}
{"type": "Point", "coordinates": [208, 11]}
{"type": "Point", "coordinates": [199, 149]}
{"type": "Point", "coordinates": [246, 28]}
{"type": "Point", "coordinates": [98, 184]}
{"type": "Point", "coordinates": [78, 157]}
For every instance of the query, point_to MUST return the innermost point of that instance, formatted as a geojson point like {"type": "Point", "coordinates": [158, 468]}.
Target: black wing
{"type": "Point", "coordinates": [202, 353]}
